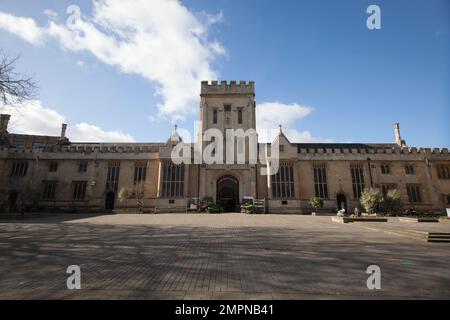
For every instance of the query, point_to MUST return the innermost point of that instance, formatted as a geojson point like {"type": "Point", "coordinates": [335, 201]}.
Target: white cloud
{"type": "Point", "coordinates": [32, 118]}
{"type": "Point", "coordinates": [160, 40]}
{"type": "Point", "coordinates": [270, 115]}
{"type": "Point", "coordinates": [24, 28]}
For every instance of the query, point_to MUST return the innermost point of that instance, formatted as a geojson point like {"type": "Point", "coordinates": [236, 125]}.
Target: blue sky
{"type": "Point", "coordinates": [330, 77]}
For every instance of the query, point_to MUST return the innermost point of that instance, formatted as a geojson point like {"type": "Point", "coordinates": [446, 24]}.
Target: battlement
{"type": "Point", "coordinates": [227, 88]}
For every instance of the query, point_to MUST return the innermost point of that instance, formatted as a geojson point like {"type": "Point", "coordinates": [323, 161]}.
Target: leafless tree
{"type": "Point", "coordinates": [14, 87]}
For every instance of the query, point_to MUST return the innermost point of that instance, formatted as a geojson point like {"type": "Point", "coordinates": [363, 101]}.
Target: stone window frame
{"type": "Point", "coordinates": [53, 166]}
{"type": "Point", "coordinates": [385, 187]}
{"type": "Point", "coordinates": [320, 180]}
{"type": "Point", "coordinates": [82, 166]}
{"type": "Point", "coordinates": [79, 190]}
{"type": "Point", "coordinates": [215, 116]}
{"type": "Point", "coordinates": [385, 168]}
{"type": "Point", "coordinates": [358, 183]}
{"type": "Point", "coordinates": [19, 169]}
{"type": "Point", "coordinates": [48, 189]}
{"type": "Point", "coordinates": [443, 171]}
{"type": "Point", "coordinates": [112, 176]}
{"type": "Point", "coordinates": [283, 182]}
{"type": "Point", "coordinates": [172, 180]}
{"type": "Point", "coordinates": [409, 169]}
{"type": "Point", "coordinates": [240, 115]}
{"type": "Point", "coordinates": [140, 176]}
{"type": "Point", "coordinates": [414, 193]}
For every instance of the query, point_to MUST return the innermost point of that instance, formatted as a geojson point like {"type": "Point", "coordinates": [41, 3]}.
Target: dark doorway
{"type": "Point", "coordinates": [13, 198]}
{"type": "Point", "coordinates": [341, 202]}
{"type": "Point", "coordinates": [228, 193]}
{"type": "Point", "coordinates": [110, 199]}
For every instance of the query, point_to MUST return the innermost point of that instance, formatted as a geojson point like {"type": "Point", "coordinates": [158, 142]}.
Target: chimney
{"type": "Point", "coordinates": [4, 119]}
{"type": "Point", "coordinates": [398, 138]}
{"type": "Point", "coordinates": [63, 131]}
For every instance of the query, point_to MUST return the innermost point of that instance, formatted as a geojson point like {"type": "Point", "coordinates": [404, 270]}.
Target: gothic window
{"type": "Point", "coordinates": [385, 187]}
{"type": "Point", "coordinates": [413, 191]}
{"type": "Point", "coordinates": [79, 190]}
{"type": "Point", "coordinates": [385, 169]}
{"type": "Point", "coordinates": [409, 169]}
{"type": "Point", "coordinates": [320, 181]}
{"type": "Point", "coordinates": [443, 171]}
{"type": "Point", "coordinates": [82, 167]}
{"type": "Point", "coordinates": [357, 180]}
{"type": "Point", "coordinates": [53, 167]}
{"type": "Point", "coordinates": [19, 169]}
{"type": "Point", "coordinates": [283, 182]}
{"type": "Point", "coordinates": [172, 184]}
{"type": "Point", "coordinates": [49, 188]}
{"type": "Point", "coordinates": [112, 177]}
{"type": "Point", "coordinates": [140, 174]}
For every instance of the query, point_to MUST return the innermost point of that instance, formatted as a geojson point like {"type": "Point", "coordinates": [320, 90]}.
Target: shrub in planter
{"type": "Point", "coordinates": [316, 202]}
{"type": "Point", "coordinates": [249, 208]}
{"type": "Point", "coordinates": [391, 202]}
{"type": "Point", "coordinates": [370, 199]}
{"type": "Point", "coordinates": [213, 208]}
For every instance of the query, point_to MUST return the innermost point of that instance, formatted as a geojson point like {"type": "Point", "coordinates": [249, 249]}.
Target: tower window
{"type": "Point", "coordinates": [240, 116]}
{"type": "Point", "coordinates": [215, 116]}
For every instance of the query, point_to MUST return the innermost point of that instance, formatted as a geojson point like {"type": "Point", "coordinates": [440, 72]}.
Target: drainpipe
{"type": "Point", "coordinates": [370, 172]}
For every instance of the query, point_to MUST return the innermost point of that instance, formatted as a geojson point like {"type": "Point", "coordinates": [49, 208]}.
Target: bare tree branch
{"type": "Point", "coordinates": [14, 87]}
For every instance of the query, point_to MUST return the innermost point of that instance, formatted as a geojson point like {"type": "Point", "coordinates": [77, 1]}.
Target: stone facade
{"type": "Point", "coordinates": [53, 173]}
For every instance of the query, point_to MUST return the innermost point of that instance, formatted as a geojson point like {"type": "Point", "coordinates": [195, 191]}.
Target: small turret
{"type": "Point", "coordinates": [398, 139]}
{"type": "Point", "coordinates": [174, 137]}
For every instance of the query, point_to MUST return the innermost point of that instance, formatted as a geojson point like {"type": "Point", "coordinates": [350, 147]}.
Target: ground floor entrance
{"type": "Point", "coordinates": [228, 193]}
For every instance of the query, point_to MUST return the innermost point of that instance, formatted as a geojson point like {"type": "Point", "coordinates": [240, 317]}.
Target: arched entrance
{"type": "Point", "coordinates": [341, 202]}
{"type": "Point", "coordinates": [110, 199]}
{"type": "Point", "coordinates": [13, 201]}
{"type": "Point", "coordinates": [228, 193]}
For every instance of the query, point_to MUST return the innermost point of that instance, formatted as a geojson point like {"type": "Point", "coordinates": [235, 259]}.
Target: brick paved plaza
{"type": "Point", "coordinates": [225, 256]}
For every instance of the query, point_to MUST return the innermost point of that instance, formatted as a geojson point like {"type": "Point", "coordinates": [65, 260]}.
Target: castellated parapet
{"type": "Point", "coordinates": [228, 88]}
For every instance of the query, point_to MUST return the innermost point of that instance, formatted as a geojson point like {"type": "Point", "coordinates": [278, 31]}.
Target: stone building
{"type": "Point", "coordinates": [54, 173]}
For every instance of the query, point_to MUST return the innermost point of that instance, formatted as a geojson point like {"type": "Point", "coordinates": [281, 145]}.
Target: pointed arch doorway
{"type": "Point", "coordinates": [228, 193]}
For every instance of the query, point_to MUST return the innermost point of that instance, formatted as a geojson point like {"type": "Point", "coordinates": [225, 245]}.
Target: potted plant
{"type": "Point", "coordinates": [248, 207]}
{"type": "Point", "coordinates": [315, 203]}
{"type": "Point", "coordinates": [213, 208]}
